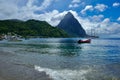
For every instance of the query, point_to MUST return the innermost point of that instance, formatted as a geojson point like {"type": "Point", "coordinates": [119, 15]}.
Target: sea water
{"type": "Point", "coordinates": [65, 59]}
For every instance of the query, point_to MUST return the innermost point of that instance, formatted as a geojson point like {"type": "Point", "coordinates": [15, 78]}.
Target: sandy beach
{"type": "Point", "coordinates": [10, 70]}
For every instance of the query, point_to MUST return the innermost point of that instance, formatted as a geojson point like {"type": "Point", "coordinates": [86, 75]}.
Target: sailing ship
{"type": "Point", "coordinates": [93, 34]}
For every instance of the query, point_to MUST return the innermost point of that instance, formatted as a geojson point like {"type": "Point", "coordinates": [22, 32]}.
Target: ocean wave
{"type": "Point", "coordinates": [64, 74]}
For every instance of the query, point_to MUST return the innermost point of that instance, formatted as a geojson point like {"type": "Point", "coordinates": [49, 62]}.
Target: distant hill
{"type": "Point", "coordinates": [30, 28]}
{"type": "Point", "coordinates": [71, 25]}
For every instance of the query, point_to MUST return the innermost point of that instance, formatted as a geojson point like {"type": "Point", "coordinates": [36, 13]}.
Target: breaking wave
{"type": "Point", "coordinates": [64, 74]}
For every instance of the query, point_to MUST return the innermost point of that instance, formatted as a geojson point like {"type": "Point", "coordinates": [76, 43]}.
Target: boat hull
{"type": "Point", "coordinates": [84, 41]}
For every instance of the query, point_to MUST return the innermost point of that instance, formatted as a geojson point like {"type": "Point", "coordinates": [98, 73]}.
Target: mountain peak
{"type": "Point", "coordinates": [69, 15]}
{"type": "Point", "coordinates": [71, 25]}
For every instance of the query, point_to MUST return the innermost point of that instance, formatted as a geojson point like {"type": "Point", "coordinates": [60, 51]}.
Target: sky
{"type": "Point", "coordinates": [101, 15]}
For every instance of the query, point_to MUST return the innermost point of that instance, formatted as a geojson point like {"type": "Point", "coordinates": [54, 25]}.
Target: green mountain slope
{"type": "Point", "coordinates": [30, 28]}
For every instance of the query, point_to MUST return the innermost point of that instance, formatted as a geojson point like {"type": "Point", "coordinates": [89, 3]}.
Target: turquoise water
{"type": "Point", "coordinates": [65, 59]}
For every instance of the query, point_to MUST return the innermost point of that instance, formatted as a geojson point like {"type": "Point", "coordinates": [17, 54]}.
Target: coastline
{"type": "Point", "coordinates": [9, 70]}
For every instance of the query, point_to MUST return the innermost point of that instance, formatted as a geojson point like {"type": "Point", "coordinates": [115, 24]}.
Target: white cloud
{"type": "Point", "coordinates": [73, 5]}
{"type": "Point", "coordinates": [106, 20]}
{"type": "Point", "coordinates": [31, 6]}
{"type": "Point", "coordinates": [88, 7]}
{"type": "Point", "coordinates": [11, 10]}
{"type": "Point", "coordinates": [45, 4]}
{"type": "Point", "coordinates": [113, 28]}
{"type": "Point", "coordinates": [96, 18]}
{"type": "Point", "coordinates": [75, 1]}
{"type": "Point", "coordinates": [118, 19]}
{"type": "Point", "coordinates": [108, 27]}
{"type": "Point", "coordinates": [116, 4]}
{"type": "Point", "coordinates": [7, 9]}
{"type": "Point", "coordinates": [101, 7]}
{"type": "Point", "coordinates": [30, 3]}
{"type": "Point", "coordinates": [52, 18]}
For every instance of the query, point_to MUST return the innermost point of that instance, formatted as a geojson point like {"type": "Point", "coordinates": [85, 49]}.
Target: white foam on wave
{"type": "Point", "coordinates": [64, 74]}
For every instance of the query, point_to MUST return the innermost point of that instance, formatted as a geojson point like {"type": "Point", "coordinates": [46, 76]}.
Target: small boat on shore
{"type": "Point", "coordinates": [84, 41]}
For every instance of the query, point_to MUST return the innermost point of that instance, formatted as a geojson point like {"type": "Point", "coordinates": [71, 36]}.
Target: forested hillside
{"type": "Point", "coordinates": [30, 28]}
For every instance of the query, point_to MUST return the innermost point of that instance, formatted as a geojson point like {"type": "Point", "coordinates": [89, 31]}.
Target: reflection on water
{"type": "Point", "coordinates": [65, 59]}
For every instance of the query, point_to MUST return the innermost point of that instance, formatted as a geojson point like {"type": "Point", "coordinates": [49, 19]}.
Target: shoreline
{"type": "Point", "coordinates": [9, 70]}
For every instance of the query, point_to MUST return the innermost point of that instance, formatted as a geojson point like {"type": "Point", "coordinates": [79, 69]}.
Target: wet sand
{"type": "Point", "coordinates": [9, 70]}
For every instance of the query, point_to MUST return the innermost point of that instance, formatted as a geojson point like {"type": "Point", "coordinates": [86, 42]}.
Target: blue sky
{"type": "Point", "coordinates": [101, 15]}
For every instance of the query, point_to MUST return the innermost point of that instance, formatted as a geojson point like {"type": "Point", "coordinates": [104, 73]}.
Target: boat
{"type": "Point", "coordinates": [84, 41]}
{"type": "Point", "coordinates": [93, 34]}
